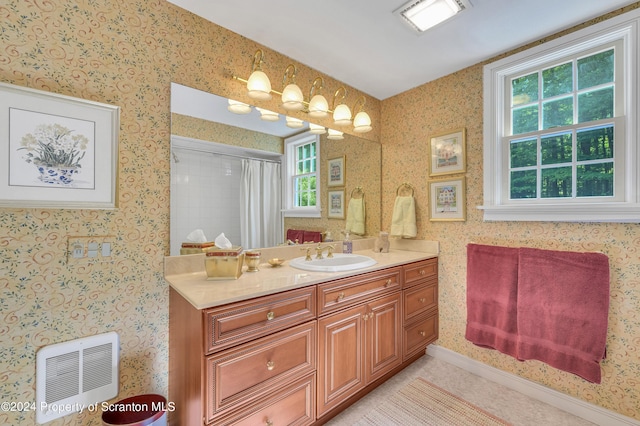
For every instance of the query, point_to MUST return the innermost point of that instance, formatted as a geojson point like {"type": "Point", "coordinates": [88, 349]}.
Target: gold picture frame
{"type": "Point", "coordinates": [448, 153]}
{"type": "Point", "coordinates": [335, 204]}
{"type": "Point", "coordinates": [336, 171]}
{"type": "Point", "coordinates": [447, 200]}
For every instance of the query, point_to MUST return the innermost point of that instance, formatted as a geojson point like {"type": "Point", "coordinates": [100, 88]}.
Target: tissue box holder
{"type": "Point", "coordinates": [224, 264]}
{"type": "Point", "coordinates": [196, 248]}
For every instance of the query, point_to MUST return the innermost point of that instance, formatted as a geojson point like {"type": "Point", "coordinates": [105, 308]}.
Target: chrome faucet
{"type": "Point", "coordinates": [320, 249]}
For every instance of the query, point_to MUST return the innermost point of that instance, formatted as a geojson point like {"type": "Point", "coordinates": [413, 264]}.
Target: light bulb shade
{"type": "Point", "coordinates": [316, 129]}
{"type": "Point", "coordinates": [362, 122]}
{"type": "Point", "coordinates": [238, 107]}
{"type": "Point", "coordinates": [292, 98]}
{"type": "Point", "coordinates": [259, 86]}
{"type": "Point", "coordinates": [342, 115]}
{"type": "Point", "coordinates": [318, 107]}
{"type": "Point", "coordinates": [267, 115]}
{"type": "Point", "coordinates": [335, 135]}
{"type": "Point", "coordinates": [294, 123]}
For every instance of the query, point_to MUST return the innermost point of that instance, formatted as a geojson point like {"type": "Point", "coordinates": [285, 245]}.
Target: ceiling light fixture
{"type": "Point", "coordinates": [317, 129]}
{"type": "Point", "coordinates": [259, 87]}
{"type": "Point", "coordinates": [424, 14]}
{"type": "Point", "coordinates": [335, 135]}
{"type": "Point", "coordinates": [238, 107]}
{"type": "Point", "coordinates": [294, 123]}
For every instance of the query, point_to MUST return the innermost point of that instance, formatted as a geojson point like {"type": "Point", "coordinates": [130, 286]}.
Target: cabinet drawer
{"type": "Point", "coordinates": [293, 405]}
{"type": "Point", "coordinates": [420, 299]}
{"type": "Point", "coordinates": [241, 375]}
{"type": "Point", "coordinates": [347, 292]}
{"type": "Point", "coordinates": [418, 271]}
{"type": "Point", "coordinates": [243, 321]}
{"type": "Point", "coordinates": [419, 334]}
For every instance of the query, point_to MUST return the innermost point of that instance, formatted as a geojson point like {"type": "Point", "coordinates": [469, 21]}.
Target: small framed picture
{"type": "Point", "coordinates": [448, 153]}
{"type": "Point", "coordinates": [336, 204]}
{"type": "Point", "coordinates": [336, 171]}
{"type": "Point", "coordinates": [447, 200]}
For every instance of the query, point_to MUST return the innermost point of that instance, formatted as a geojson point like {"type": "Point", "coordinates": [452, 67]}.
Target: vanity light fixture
{"type": "Point", "coordinates": [318, 105]}
{"type": "Point", "coordinates": [267, 115]}
{"type": "Point", "coordinates": [421, 15]}
{"type": "Point", "coordinates": [258, 85]}
{"type": "Point", "coordinates": [335, 135]}
{"type": "Point", "coordinates": [362, 121]}
{"type": "Point", "coordinates": [317, 129]}
{"type": "Point", "coordinates": [294, 123]}
{"type": "Point", "coordinates": [341, 113]}
{"type": "Point", "coordinates": [292, 97]}
{"type": "Point", "coordinates": [238, 107]}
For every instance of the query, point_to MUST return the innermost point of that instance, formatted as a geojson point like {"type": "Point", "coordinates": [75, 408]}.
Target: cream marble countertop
{"type": "Point", "coordinates": [186, 274]}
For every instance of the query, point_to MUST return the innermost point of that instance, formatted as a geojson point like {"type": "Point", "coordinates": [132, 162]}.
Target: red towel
{"type": "Point", "coordinates": [563, 307]}
{"type": "Point", "coordinates": [293, 235]}
{"type": "Point", "coordinates": [492, 277]}
{"type": "Point", "coordinates": [312, 237]}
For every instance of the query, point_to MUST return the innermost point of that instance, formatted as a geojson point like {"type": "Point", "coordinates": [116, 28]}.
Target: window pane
{"type": "Point", "coordinates": [596, 69]}
{"type": "Point", "coordinates": [595, 144]}
{"type": "Point", "coordinates": [556, 149]}
{"type": "Point", "coordinates": [524, 89]}
{"type": "Point", "coordinates": [595, 180]}
{"type": "Point", "coordinates": [525, 120]}
{"type": "Point", "coordinates": [557, 80]}
{"type": "Point", "coordinates": [595, 105]}
{"type": "Point", "coordinates": [523, 184]}
{"type": "Point", "coordinates": [556, 182]}
{"type": "Point", "coordinates": [523, 153]}
{"type": "Point", "coordinates": [557, 113]}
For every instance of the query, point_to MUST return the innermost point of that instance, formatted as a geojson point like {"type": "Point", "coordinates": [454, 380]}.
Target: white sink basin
{"type": "Point", "coordinates": [338, 263]}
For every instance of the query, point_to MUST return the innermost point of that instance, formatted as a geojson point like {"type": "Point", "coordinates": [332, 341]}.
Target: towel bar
{"type": "Point", "coordinates": [406, 186]}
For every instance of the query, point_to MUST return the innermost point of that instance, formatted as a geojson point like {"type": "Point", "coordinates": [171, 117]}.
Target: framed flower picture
{"type": "Point", "coordinates": [448, 153]}
{"type": "Point", "coordinates": [447, 200]}
{"type": "Point", "coordinates": [336, 171]}
{"type": "Point", "coordinates": [62, 151]}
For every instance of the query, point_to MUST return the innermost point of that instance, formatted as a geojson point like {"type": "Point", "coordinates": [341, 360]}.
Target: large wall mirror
{"type": "Point", "coordinates": [208, 147]}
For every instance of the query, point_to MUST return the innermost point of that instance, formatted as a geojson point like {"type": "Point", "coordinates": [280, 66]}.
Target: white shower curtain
{"type": "Point", "coordinates": [260, 204]}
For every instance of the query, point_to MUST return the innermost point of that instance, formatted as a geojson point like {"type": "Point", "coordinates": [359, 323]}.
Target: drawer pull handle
{"type": "Point", "coordinates": [422, 333]}
{"type": "Point", "coordinates": [388, 283]}
{"type": "Point", "coordinates": [422, 272]}
{"type": "Point", "coordinates": [340, 297]}
{"type": "Point", "coordinates": [422, 300]}
{"type": "Point", "coordinates": [268, 422]}
{"type": "Point", "coordinates": [271, 365]}
{"type": "Point", "coordinates": [270, 315]}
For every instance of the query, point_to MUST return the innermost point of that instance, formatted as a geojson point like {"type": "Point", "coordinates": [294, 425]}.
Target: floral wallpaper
{"type": "Point", "coordinates": [127, 53]}
{"type": "Point", "coordinates": [124, 53]}
{"type": "Point", "coordinates": [455, 102]}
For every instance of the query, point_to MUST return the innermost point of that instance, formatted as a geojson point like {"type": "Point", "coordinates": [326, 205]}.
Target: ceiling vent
{"type": "Point", "coordinates": [421, 15]}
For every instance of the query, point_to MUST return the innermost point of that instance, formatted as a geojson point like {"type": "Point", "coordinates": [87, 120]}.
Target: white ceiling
{"type": "Point", "coordinates": [363, 44]}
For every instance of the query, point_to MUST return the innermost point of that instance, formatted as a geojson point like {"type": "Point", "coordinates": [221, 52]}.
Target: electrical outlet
{"type": "Point", "coordinates": [96, 248]}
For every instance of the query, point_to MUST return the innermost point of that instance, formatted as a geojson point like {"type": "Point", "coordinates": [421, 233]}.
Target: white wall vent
{"type": "Point", "coordinates": [75, 376]}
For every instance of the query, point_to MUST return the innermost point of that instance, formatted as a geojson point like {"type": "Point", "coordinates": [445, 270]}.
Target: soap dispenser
{"type": "Point", "coordinates": [347, 245]}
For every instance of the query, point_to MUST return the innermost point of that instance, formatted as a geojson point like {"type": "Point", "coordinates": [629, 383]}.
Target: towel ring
{"type": "Point", "coordinates": [357, 191]}
{"type": "Point", "coordinates": [405, 186]}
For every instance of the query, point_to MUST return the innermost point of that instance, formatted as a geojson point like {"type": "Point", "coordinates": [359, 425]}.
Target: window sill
{"type": "Point", "coordinates": [622, 213]}
{"type": "Point", "coordinates": [302, 213]}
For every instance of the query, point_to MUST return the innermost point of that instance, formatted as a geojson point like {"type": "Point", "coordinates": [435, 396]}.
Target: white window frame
{"type": "Point", "coordinates": [622, 29]}
{"type": "Point", "coordinates": [288, 176]}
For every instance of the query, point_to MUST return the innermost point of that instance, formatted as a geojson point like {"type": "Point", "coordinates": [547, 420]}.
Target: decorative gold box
{"type": "Point", "coordinates": [224, 264]}
{"type": "Point", "coordinates": [196, 248]}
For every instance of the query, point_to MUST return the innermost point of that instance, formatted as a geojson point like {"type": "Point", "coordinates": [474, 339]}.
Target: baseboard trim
{"type": "Point", "coordinates": [575, 406]}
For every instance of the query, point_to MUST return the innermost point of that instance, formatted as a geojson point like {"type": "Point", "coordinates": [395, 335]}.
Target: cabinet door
{"type": "Point", "coordinates": [383, 336]}
{"type": "Point", "coordinates": [340, 357]}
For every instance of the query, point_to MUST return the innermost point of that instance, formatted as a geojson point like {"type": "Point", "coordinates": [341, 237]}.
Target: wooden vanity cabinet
{"type": "Point", "coordinates": [420, 304]}
{"type": "Point", "coordinates": [361, 342]}
{"type": "Point", "coordinates": [301, 356]}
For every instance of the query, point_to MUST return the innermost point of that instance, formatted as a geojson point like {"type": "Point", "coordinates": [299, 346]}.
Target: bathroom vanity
{"type": "Point", "coordinates": [283, 346]}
